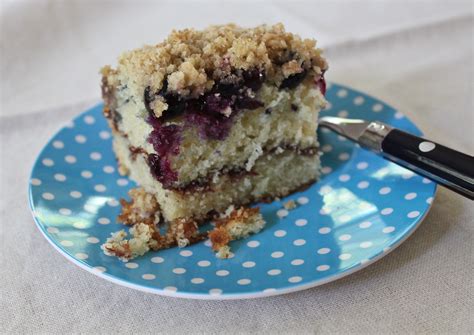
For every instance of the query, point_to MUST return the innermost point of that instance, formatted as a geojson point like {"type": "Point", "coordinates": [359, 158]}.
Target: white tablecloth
{"type": "Point", "coordinates": [417, 56]}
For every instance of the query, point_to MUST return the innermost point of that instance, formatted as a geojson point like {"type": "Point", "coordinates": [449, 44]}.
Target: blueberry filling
{"type": "Point", "coordinates": [321, 83]}
{"type": "Point", "coordinates": [294, 80]}
{"type": "Point", "coordinates": [160, 168]}
{"type": "Point", "coordinates": [148, 98]}
{"type": "Point", "coordinates": [212, 114]}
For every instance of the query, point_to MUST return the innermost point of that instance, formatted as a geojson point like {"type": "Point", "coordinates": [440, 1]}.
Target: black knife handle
{"type": "Point", "coordinates": [443, 165]}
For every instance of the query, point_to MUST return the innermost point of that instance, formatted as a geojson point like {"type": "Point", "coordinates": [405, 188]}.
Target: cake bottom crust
{"type": "Point", "coordinates": [273, 175]}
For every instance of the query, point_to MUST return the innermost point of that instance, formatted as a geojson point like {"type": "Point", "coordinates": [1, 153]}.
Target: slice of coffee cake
{"type": "Point", "coordinates": [218, 117]}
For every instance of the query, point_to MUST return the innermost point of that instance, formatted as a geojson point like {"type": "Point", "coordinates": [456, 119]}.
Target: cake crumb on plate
{"type": "Point", "coordinates": [290, 204]}
{"type": "Point", "coordinates": [237, 224]}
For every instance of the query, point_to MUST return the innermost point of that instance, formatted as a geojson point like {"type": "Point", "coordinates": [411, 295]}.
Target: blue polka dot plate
{"type": "Point", "coordinates": [361, 209]}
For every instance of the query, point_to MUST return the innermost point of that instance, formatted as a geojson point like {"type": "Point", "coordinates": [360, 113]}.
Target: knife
{"type": "Point", "coordinates": [445, 166]}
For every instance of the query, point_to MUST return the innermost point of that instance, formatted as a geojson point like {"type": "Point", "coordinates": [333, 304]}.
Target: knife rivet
{"type": "Point", "coordinates": [426, 146]}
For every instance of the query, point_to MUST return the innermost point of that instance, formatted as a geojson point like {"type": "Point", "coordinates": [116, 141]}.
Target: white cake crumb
{"type": "Point", "coordinates": [290, 204]}
{"type": "Point", "coordinates": [238, 224]}
{"type": "Point", "coordinates": [117, 245]}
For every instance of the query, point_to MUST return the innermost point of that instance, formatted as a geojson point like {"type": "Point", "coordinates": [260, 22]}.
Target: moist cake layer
{"type": "Point", "coordinates": [288, 118]}
{"type": "Point", "coordinates": [273, 175]}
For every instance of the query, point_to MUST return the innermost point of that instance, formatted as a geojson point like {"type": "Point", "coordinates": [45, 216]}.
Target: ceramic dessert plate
{"type": "Point", "coordinates": [361, 209]}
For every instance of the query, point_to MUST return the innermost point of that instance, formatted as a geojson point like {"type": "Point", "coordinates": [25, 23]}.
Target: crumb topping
{"type": "Point", "coordinates": [189, 62]}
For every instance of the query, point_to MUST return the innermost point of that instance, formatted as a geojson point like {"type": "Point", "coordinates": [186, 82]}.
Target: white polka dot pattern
{"type": "Point", "coordinates": [326, 169]}
{"type": "Point", "coordinates": [75, 194]}
{"type": "Point", "coordinates": [48, 162]}
{"type": "Point", "coordinates": [109, 169]}
{"type": "Point", "coordinates": [345, 237]}
{"type": "Point", "coordinates": [248, 264]}
{"type": "Point", "coordinates": [104, 135]}
{"type": "Point", "coordinates": [93, 240]}
{"type": "Point", "coordinates": [274, 272]}
{"type": "Point", "coordinates": [222, 273]}
{"type": "Point", "coordinates": [58, 144]}
{"type": "Point", "coordinates": [131, 265]}
{"type": "Point", "coordinates": [35, 182]}
{"type": "Point", "coordinates": [295, 279]}
{"type": "Point", "coordinates": [361, 207]}
{"type": "Point", "coordinates": [324, 251]}
{"type": "Point", "coordinates": [253, 244]}
{"type": "Point", "coordinates": [186, 253]}
{"type": "Point", "coordinates": [362, 165]}
{"type": "Point", "coordinates": [385, 190]}
{"type": "Point", "coordinates": [70, 159]}
{"type": "Point", "coordinates": [324, 230]}
{"type": "Point", "coordinates": [365, 224]}
{"type": "Point", "coordinates": [95, 156]}
{"type": "Point", "coordinates": [157, 260]}
{"type": "Point", "coordinates": [345, 257]}
{"type": "Point", "coordinates": [215, 291]}
{"type": "Point", "coordinates": [280, 233]}
{"type": "Point", "coordinates": [277, 254]}
{"type": "Point", "coordinates": [281, 213]}
{"type": "Point", "coordinates": [344, 177]}
{"type": "Point", "coordinates": [377, 107]}
{"type": "Point", "coordinates": [301, 222]}
{"type": "Point", "coordinates": [203, 264]}
{"type": "Point", "coordinates": [80, 139]}
{"type": "Point", "coordinates": [86, 174]}
{"type": "Point", "coordinates": [197, 280]}
{"type": "Point", "coordinates": [410, 196]}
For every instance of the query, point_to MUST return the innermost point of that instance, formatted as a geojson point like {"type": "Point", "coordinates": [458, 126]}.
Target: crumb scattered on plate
{"type": "Point", "coordinates": [290, 204]}
{"type": "Point", "coordinates": [235, 224]}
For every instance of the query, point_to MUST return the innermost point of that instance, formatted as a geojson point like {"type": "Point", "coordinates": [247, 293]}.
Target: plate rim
{"type": "Point", "coordinates": [225, 296]}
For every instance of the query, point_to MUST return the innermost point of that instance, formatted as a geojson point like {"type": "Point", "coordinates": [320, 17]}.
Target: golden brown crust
{"type": "Point", "coordinates": [122, 252]}
{"type": "Point", "coordinates": [191, 60]}
{"type": "Point", "coordinates": [219, 238]}
{"type": "Point", "coordinates": [180, 232]}
{"type": "Point", "coordinates": [235, 224]}
{"type": "Point", "coordinates": [241, 214]}
{"type": "Point", "coordinates": [290, 204]}
{"type": "Point", "coordinates": [142, 208]}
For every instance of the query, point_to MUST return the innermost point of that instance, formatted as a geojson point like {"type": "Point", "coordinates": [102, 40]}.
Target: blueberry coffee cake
{"type": "Point", "coordinates": [213, 118]}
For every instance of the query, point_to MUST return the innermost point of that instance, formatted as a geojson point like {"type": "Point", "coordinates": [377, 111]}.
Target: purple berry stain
{"type": "Point", "coordinates": [321, 84]}
{"type": "Point", "coordinates": [165, 140]}
{"type": "Point", "coordinates": [212, 114]}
